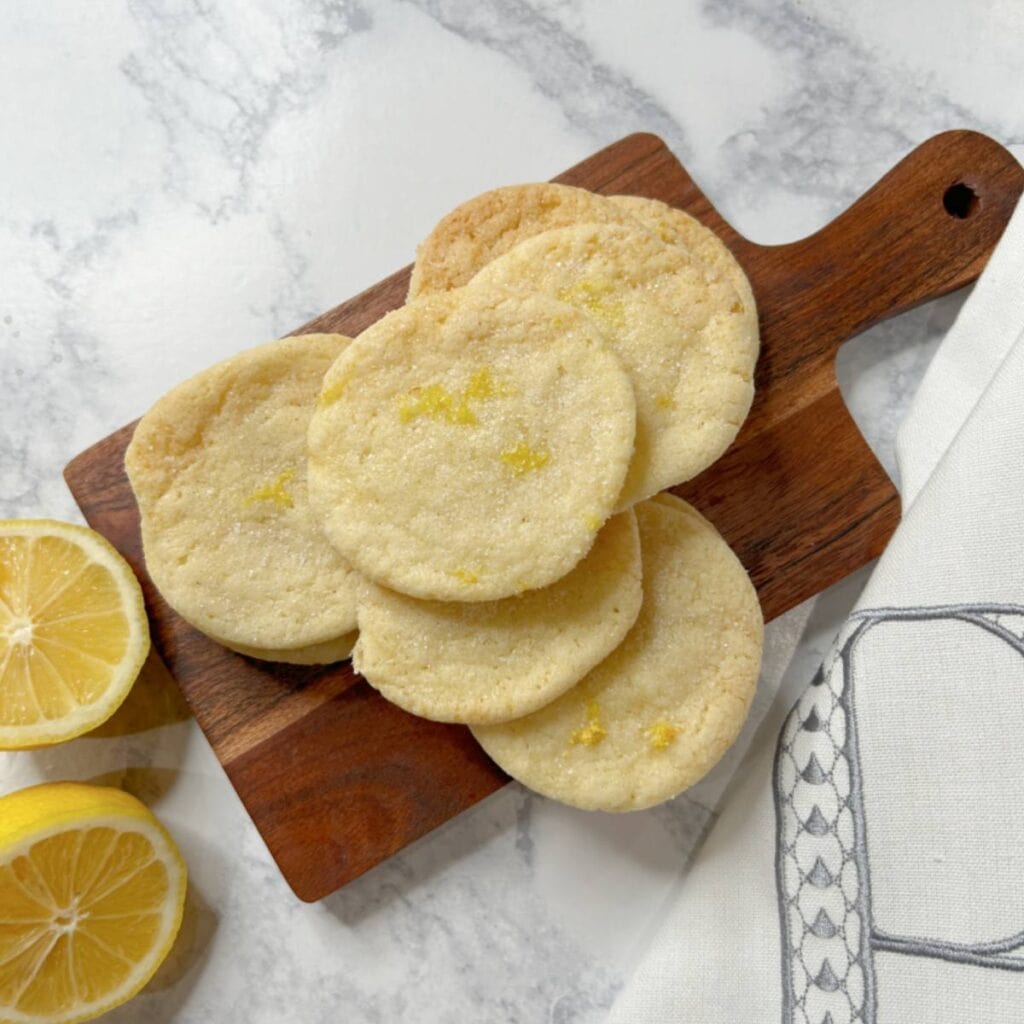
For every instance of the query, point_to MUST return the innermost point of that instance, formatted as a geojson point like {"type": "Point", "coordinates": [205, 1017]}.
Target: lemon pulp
{"type": "Point", "coordinates": [91, 895]}
{"type": "Point", "coordinates": [73, 631]}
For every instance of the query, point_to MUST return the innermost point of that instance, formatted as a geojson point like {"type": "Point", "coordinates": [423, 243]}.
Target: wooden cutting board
{"type": "Point", "coordinates": [335, 778]}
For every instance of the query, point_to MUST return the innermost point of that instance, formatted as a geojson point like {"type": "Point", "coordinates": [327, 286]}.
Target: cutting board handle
{"type": "Point", "coordinates": [925, 229]}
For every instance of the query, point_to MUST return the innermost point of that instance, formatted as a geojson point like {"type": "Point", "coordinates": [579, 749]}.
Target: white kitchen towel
{"type": "Point", "coordinates": [868, 864]}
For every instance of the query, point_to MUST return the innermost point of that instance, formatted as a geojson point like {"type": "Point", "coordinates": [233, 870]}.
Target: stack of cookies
{"type": "Point", "coordinates": [469, 494]}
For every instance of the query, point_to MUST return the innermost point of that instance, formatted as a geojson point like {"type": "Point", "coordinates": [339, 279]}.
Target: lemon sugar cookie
{"type": "Point", "coordinates": [495, 660]}
{"type": "Point", "coordinates": [484, 227]}
{"type": "Point", "coordinates": [662, 708]}
{"type": "Point", "coordinates": [680, 330]}
{"type": "Point", "coordinates": [219, 472]}
{"type": "Point", "coordinates": [469, 445]}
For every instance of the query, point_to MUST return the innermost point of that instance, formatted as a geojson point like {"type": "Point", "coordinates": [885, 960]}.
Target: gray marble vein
{"type": "Point", "coordinates": [599, 100]}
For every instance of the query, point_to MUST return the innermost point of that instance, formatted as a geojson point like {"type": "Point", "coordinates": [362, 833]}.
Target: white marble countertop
{"type": "Point", "coordinates": [182, 179]}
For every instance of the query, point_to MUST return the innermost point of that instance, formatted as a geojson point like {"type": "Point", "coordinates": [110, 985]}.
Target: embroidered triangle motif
{"type": "Point", "coordinates": [823, 927]}
{"type": "Point", "coordinates": [816, 823]}
{"type": "Point", "coordinates": [813, 772]}
{"type": "Point", "coordinates": [826, 979]}
{"type": "Point", "coordinates": [820, 875]}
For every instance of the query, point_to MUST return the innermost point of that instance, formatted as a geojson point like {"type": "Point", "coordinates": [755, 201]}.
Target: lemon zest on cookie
{"type": "Point", "coordinates": [436, 402]}
{"type": "Point", "coordinates": [591, 296]}
{"type": "Point", "coordinates": [482, 386]}
{"type": "Point", "coordinates": [593, 732]}
{"type": "Point", "coordinates": [277, 492]}
{"type": "Point", "coordinates": [664, 401]}
{"type": "Point", "coordinates": [465, 576]}
{"type": "Point", "coordinates": [523, 459]}
{"type": "Point", "coordinates": [332, 392]}
{"type": "Point", "coordinates": [661, 735]}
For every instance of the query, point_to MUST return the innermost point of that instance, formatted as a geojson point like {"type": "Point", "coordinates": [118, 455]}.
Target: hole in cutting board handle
{"type": "Point", "coordinates": [960, 201]}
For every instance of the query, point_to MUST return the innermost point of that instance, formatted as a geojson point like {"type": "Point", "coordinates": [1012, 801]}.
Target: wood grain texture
{"type": "Point", "coordinates": [335, 778]}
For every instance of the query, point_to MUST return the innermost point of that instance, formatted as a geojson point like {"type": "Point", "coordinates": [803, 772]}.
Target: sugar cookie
{"type": "Point", "coordinates": [219, 472]}
{"type": "Point", "coordinates": [662, 708]}
{"type": "Point", "coordinates": [495, 660]}
{"type": "Point", "coordinates": [469, 445]}
{"type": "Point", "coordinates": [681, 331]}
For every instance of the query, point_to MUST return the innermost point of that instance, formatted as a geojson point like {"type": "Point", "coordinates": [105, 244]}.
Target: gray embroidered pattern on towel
{"type": "Point", "coordinates": [821, 860]}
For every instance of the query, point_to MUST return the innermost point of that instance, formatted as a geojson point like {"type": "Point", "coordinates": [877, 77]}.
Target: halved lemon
{"type": "Point", "coordinates": [73, 631]}
{"type": "Point", "coordinates": [91, 895]}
